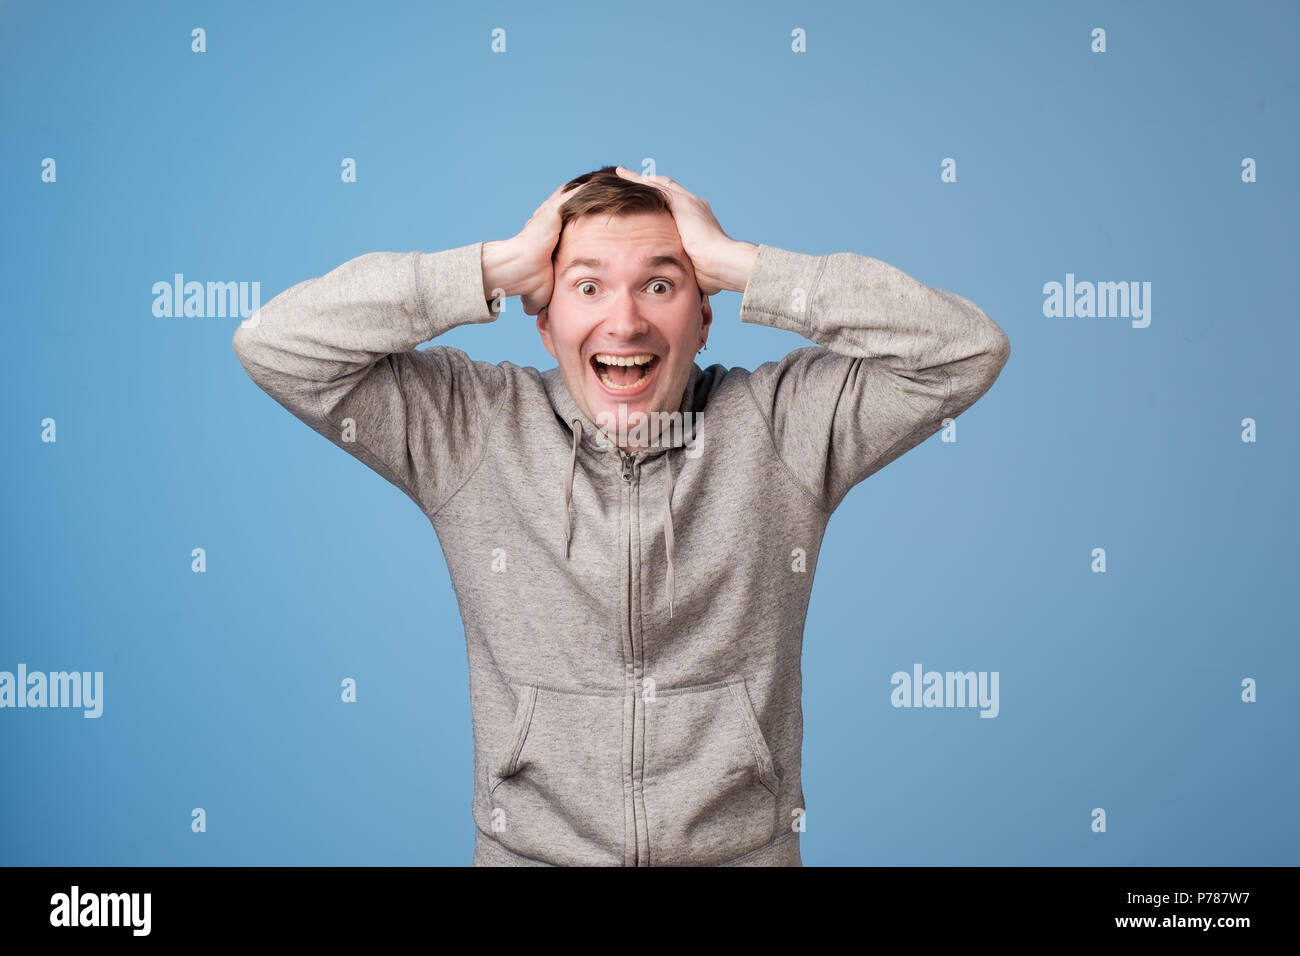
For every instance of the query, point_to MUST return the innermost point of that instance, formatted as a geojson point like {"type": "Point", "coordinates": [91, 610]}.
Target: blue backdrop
{"type": "Point", "coordinates": [1161, 160]}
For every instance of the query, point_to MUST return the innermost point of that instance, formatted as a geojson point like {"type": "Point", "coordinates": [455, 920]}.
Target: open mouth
{"type": "Point", "coordinates": [624, 373]}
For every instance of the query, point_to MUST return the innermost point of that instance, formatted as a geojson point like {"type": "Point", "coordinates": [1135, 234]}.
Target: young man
{"type": "Point", "coordinates": [632, 539]}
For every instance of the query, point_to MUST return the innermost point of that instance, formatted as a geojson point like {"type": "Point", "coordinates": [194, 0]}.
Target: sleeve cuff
{"type": "Point", "coordinates": [780, 290]}
{"type": "Point", "coordinates": [449, 285]}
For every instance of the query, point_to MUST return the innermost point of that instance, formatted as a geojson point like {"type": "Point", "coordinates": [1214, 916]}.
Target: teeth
{"type": "Point", "coordinates": [608, 384]}
{"type": "Point", "coordinates": [605, 359]}
{"type": "Point", "coordinates": [626, 360]}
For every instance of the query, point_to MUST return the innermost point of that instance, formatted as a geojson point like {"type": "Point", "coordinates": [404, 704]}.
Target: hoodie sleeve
{"type": "Point", "coordinates": [338, 352]}
{"type": "Point", "coordinates": [895, 359]}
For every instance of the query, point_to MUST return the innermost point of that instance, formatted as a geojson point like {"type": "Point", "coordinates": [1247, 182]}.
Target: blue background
{"type": "Point", "coordinates": [1118, 690]}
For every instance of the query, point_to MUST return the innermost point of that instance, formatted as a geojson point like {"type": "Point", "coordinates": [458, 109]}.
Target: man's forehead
{"type": "Point", "coordinates": [658, 258]}
{"type": "Point", "coordinates": [645, 240]}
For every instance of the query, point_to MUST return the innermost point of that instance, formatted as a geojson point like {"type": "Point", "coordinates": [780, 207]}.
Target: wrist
{"type": "Point", "coordinates": [496, 262]}
{"type": "Point", "coordinates": [735, 264]}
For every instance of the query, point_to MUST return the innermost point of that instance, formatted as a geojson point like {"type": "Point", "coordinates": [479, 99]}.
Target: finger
{"type": "Point", "coordinates": [557, 198]}
{"type": "Point", "coordinates": [667, 182]}
{"type": "Point", "coordinates": [639, 177]}
{"type": "Point", "coordinates": [561, 189]}
{"type": "Point", "coordinates": [677, 188]}
{"type": "Point", "coordinates": [553, 201]}
{"type": "Point", "coordinates": [653, 179]}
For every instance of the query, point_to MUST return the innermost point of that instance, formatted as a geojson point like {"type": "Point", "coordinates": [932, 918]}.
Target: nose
{"type": "Point", "coordinates": [624, 319]}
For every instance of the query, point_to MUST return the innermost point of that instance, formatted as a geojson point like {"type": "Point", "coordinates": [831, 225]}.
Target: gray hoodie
{"type": "Point", "coordinates": [634, 623]}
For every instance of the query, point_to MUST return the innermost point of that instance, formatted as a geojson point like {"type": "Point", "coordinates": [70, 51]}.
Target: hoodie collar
{"type": "Point", "coordinates": [566, 409]}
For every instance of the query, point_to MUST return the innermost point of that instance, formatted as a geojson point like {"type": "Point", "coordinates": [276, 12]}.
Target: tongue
{"type": "Point", "coordinates": [624, 374]}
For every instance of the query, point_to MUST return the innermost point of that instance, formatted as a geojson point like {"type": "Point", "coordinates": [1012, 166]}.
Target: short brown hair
{"type": "Point", "coordinates": [609, 194]}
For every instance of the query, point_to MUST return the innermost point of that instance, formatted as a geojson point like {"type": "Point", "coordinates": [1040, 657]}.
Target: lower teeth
{"type": "Point", "coordinates": [604, 377]}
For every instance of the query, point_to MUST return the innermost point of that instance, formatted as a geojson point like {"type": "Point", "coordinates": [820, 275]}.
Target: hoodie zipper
{"type": "Point", "coordinates": [629, 463]}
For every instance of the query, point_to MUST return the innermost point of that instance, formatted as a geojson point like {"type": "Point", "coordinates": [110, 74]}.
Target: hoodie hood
{"type": "Point", "coordinates": [584, 432]}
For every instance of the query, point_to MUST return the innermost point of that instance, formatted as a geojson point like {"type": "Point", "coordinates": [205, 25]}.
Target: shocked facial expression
{"type": "Point", "coordinates": [626, 317]}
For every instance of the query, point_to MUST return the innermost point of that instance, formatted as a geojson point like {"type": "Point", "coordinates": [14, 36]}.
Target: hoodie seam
{"type": "Point", "coordinates": [416, 261]}
{"type": "Point", "coordinates": [510, 852]}
{"type": "Point", "coordinates": [787, 317]}
{"type": "Point", "coordinates": [783, 316]}
{"type": "Point", "coordinates": [411, 492]}
{"type": "Point", "coordinates": [419, 289]}
{"type": "Point", "coordinates": [482, 454]}
{"type": "Point", "coordinates": [776, 451]}
{"type": "Point", "coordinates": [806, 324]}
{"type": "Point", "coordinates": [934, 416]}
{"type": "Point", "coordinates": [415, 493]}
{"type": "Point", "coordinates": [734, 861]}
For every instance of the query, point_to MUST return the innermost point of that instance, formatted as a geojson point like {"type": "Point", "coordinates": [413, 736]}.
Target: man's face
{"type": "Point", "coordinates": [624, 287]}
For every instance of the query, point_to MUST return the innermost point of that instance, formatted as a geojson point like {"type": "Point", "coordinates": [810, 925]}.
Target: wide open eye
{"type": "Point", "coordinates": [663, 282]}
{"type": "Point", "coordinates": [581, 284]}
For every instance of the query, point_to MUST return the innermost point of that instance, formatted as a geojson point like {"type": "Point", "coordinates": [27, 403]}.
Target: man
{"type": "Point", "coordinates": [632, 539]}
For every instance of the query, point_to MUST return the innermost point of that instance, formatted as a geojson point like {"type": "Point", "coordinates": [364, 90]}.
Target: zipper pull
{"type": "Point", "coordinates": [627, 467]}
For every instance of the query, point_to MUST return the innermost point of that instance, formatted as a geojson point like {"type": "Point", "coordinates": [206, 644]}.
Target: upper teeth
{"type": "Point", "coordinates": [604, 359]}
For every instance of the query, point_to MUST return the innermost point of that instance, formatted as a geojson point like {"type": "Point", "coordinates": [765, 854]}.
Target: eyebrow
{"type": "Point", "coordinates": [652, 262]}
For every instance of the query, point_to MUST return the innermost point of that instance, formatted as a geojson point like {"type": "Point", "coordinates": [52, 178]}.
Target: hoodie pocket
{"type": "Point", "coordinates": [556, 787]}
{"type": "Point", "coordinates": [710, 783]}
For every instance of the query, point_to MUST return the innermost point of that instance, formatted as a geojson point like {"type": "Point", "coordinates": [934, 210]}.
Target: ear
{"type": "Point", "coordinates": [706, 318]}
{"type": "Point", "coordinates": [544, 327]}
